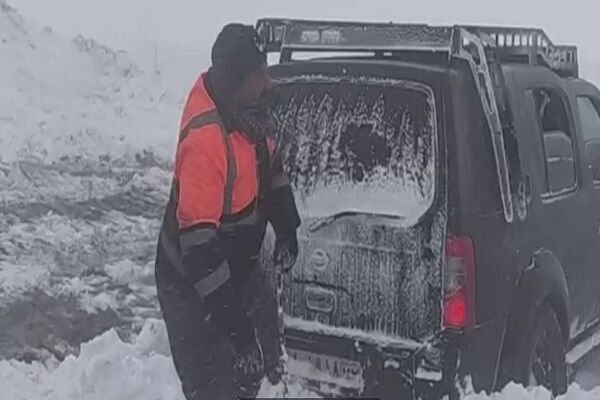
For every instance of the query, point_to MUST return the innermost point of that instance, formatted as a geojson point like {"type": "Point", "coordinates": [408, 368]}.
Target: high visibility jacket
{"type": "Point", "coordinates": [213, 228]}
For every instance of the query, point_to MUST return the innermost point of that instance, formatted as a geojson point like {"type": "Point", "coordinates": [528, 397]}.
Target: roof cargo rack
{"type": "Point", "coordinates": [532, 45]}
{"type": "Point", "coordinates": [483, 48]}
{"type": "Point", "coordinates": [528, 45]}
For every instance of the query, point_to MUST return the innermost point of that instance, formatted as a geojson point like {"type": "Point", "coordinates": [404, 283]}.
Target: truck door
{"type": "Point", "coordinates": [563, 226]}
{"type": "Point", "coordinates": [588, 121]}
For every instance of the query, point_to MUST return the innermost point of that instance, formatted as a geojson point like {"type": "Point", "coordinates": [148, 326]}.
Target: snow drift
{"type": "Point", "coordinates": [106, 368]}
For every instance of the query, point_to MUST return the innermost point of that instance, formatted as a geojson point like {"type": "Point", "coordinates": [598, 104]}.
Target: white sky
{"type": "Point", "coordinates": [191, 25]}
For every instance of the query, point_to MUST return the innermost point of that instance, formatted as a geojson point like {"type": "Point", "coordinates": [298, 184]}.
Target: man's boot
{"type": "Point", "coordinates": [249, 367]}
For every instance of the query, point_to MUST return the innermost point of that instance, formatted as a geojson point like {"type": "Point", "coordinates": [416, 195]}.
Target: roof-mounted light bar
{"type": "Point", "coordinates": [513, 44]}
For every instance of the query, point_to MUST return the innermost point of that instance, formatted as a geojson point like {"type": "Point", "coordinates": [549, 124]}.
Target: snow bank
{"type": "Point", "coordinates": [109, 368]}
{"type": "Point", "coordinates": [77, 98]}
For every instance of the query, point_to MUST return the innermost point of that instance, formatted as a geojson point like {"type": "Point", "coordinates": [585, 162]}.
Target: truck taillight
{"type": "Point", "coordinates": [459, 283]}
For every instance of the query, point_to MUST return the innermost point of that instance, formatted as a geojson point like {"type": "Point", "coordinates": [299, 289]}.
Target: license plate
{"type": "Point", "coordinates": [324, 368]}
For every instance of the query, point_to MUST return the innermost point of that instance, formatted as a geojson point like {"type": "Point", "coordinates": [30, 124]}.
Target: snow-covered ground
{"type": "Point", "coordinates": [109, 368]}
{"type": "Point", "coordinates": [86, 139]}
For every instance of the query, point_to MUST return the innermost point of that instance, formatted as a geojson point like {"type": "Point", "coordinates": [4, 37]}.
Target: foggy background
{"type": "Point", "coordinates": [188, 27]}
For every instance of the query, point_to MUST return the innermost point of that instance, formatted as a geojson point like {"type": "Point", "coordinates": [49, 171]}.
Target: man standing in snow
{"type": "Point", "coordinates": [227, 185]}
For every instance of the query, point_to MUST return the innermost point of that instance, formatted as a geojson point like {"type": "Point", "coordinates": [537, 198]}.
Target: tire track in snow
{"type": "Point", "coordinates": [92, 231]}
{"type": "Point", "coordinates": [134, 203]}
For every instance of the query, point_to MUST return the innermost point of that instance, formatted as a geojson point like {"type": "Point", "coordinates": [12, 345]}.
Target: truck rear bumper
{"type": "Point", "coordinates": [387, 369]}
{"type": "Point", "coordinates": [427, 370]}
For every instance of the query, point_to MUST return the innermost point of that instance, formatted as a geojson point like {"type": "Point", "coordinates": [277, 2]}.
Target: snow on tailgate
{"type": "Point", "coordinates": [361, 154]}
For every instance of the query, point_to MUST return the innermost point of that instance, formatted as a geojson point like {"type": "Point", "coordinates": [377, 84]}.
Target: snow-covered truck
{"type": "Point", "coordinates": [448, 179]}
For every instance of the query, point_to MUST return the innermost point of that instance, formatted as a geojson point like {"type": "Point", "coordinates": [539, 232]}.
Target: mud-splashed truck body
{"type": "Point", "coordinates": [424, 258]}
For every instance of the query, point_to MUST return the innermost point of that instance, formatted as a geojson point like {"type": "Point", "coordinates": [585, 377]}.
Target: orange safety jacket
{"type": "Point", "coordinates": [213, 228]}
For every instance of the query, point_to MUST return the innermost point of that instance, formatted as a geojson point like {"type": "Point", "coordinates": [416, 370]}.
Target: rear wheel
{"type": "Point", "coordinates": [541, 360]}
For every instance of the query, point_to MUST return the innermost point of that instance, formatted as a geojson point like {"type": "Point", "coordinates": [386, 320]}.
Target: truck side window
{"type": "Point", "coordinates": [557, 139]}
{"type": "Point", "coordinates": [590, 128]}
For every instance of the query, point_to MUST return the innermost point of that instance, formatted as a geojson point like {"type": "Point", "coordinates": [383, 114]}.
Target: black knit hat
{"type": "Point", "coordinates": [237, 52]}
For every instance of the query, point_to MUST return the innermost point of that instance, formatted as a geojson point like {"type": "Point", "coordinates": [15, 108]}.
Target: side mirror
{"type": "Point", "coordinates": [560, 161]}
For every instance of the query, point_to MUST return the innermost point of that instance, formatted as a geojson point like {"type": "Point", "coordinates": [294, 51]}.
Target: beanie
{"type": "Point", "coordinates": [237, 52]}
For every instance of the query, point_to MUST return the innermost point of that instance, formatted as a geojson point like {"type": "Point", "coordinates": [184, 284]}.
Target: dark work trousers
{"type": "Point", "coordinates": [202, 354]}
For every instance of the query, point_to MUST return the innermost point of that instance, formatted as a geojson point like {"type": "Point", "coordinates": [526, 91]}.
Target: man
{"type": "Point", "coordinates": [227, 185]}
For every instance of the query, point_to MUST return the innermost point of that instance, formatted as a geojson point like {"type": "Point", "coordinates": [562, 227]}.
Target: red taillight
{"type": "Point", "coordinates": [459, 283]}
{"type": "Point", "coordinates": [455, 311]}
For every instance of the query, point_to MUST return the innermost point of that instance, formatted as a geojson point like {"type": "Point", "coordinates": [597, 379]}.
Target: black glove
{"type": "Point", "coordinates": [286, 251]}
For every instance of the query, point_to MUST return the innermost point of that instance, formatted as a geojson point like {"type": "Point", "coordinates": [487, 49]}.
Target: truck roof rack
{"type": "Point", "coordinates": [527, 45]}
{"type": "Point", "coordinates": [483, 48]}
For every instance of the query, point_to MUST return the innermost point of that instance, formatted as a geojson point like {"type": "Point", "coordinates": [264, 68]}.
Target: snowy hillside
{"type": "Point", "coordinates": [86, 140]}
{"type": "Point", "coordinates": [62, 98]}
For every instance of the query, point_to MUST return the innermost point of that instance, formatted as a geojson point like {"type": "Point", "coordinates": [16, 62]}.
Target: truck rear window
{"type": "Point", "coordinates": [363, 145]}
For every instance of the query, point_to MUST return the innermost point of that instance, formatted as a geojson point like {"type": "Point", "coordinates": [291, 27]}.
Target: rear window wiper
{"type": "Point", "coordinates": [325, 221]}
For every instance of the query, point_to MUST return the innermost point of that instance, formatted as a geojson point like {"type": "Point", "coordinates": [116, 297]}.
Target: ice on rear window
{"type": "Point", "coordinates": [360, 145]}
